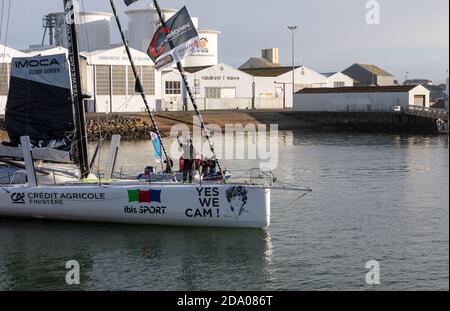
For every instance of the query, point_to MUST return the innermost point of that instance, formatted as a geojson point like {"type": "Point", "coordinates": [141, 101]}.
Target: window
{"type": "Point", "coordinates": [148, 79]}
{"type": "Point", "coordinates": [4, 77]}
{"type": "Point", "coordinates": [173, 87]}
{"type": "Point", "coordinates": [217, 92]}
{"type": "Point", "coordinates": [132, 79]}
{"type": "Point", "coordinates": [212, 92]}
{"type": "Point", "coordinates": [102, 80]}
{"type": "Point", "coordinates": [119, 77]}
{"type": "Point", "coordinates": [339, 84]}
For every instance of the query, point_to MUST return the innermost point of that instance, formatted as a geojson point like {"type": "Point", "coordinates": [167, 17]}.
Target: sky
{"type": "Point", "coordinates": [412, 36]}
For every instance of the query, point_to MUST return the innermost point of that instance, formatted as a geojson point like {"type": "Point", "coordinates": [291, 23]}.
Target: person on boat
{"type": "Point", "coordinates": [205, 166]}
{"type": "Point", "coordinates": [169, 166]}
{"type": "Point", "coordinates": [189, 158]}
{"type": "Point", "coordinates": [181, 164]}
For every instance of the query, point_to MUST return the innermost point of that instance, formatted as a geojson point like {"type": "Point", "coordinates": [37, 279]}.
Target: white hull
{"type": "Point", "coordinates": [156, 204]}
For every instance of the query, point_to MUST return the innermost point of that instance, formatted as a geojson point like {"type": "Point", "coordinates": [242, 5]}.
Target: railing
{"type": "Point", "coordinates": [427, 112]}
{"type": "Point", "coordinates": [226, 104]}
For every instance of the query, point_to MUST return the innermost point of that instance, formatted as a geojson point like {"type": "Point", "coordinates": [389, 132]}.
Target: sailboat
{"type": "Point", "coordinates": [85, 197]}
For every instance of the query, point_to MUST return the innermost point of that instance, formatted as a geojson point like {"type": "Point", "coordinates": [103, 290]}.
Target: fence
{"type": "Point", "coordinates": [226, 104]}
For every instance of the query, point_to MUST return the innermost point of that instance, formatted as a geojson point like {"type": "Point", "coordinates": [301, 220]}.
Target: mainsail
{"type": "Point", "coordinates": [39, 102]}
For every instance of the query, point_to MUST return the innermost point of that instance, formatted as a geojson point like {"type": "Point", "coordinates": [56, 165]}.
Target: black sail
{"type": "Point", "coordinates": [39, 102]}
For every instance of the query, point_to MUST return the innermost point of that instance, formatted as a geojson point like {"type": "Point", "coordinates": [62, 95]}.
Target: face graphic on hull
{"type": "Point", "coordinates": [237, 198]}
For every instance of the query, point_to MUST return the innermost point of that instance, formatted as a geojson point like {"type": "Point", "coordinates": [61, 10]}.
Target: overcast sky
{"type": "Point", "coordinates": [413, 35]}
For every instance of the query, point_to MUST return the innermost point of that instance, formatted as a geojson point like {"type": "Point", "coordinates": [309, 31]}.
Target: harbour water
{"type": "Point", "coordinates": [375, 197]}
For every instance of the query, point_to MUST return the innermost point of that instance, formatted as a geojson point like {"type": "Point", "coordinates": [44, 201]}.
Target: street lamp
{"type": "Point", "coordinates": [293, 28]}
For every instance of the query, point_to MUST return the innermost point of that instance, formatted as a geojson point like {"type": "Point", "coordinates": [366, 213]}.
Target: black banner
{"type": "Point", "coordinates": [130, 2]}
{"type": "Point", "coordinates": [174, 42]}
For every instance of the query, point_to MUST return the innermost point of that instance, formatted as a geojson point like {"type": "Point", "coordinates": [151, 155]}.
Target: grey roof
{"type": "Point", "coordinates": [375, 70]}
{"type": "Point", "coordinates": [254, 62]}
{"type": "Point", "coordinates": [358, 89]}
{"type": "Point", "coordinates": [195, 69]}
{"type": "Point", "coordinates": [268, 72]}
{"type": "Point", "coordinates": [328, 74]}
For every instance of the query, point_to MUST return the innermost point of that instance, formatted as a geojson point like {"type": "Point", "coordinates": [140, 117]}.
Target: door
{"type": "Point", "coordinates": [419, 100]}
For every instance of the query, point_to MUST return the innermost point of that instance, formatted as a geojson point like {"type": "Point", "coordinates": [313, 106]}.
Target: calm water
{"type": "Point", "coordinates": [376, 197]}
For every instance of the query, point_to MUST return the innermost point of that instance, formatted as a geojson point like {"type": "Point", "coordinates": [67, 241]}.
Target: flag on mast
{"type": "Point", "coordinates": [174, 42]}
{"type": "Point", "coordinates": [157, 148]}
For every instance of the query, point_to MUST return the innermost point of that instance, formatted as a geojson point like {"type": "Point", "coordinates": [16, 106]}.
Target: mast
{"type": "Point", "coordinates": [74, 60]}
{"type": "Point", "coordinates": [140, 88]}
{"type": "Point", "coordinates": [191, 95]}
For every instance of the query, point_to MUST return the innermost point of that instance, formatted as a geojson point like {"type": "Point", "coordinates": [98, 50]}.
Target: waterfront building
{"type": "Point", "coordinates": [282, 77]}
{"type": "Point", "coordinates": [6, 54]}
{"type": "Point", "coordinates": [338, 79]}
{"type": "Point", "coordinates": [361, 99]}
{"type": "Point", "coordinates": [369, 75]}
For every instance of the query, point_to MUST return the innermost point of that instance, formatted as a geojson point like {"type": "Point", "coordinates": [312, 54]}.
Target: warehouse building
{"type": "Point", "coordinates": [369, 75]}
{"type": "Point", "coordinates": [106, 76]}
{"type": "Point", "coordinates": [281, 80]}
{"type": "Point", "coordinates": [338, 79]}
{"type": "Point", "coordinates": [361, 99]}
{"type": "Point", "coordinates": [6, 55]}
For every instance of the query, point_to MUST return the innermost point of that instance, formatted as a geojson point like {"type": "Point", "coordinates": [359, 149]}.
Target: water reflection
{"type": "Point", "coordinates": [114, 257]}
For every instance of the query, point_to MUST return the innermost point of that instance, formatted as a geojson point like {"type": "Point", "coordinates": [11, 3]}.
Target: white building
{"type": "Point", "coordinates": [111, 81]}
{"type": "Point", "coordinates": [94, 29]}
{"type": "Point", "coordinates": [106, 75]}
{"type": "Point", "coordinates": [6, 55]}
{"type": "Point", "coordinates": [219, 87]}
{"type": "Point", "coordinates": [361, 99]}
{"type": "Point", "coordinates": [338, 79]}
{"type": "Point", "coordinates": [277, 82]}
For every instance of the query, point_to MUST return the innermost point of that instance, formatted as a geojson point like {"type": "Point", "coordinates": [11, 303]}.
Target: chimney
{"type": "Point", "coordinates": [271, 55]}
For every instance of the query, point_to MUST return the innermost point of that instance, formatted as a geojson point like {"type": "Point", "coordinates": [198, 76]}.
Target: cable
{"type": "Point", "coordinates": [7, 30]}
{"type": "Point", "coordinates": [1, 20]}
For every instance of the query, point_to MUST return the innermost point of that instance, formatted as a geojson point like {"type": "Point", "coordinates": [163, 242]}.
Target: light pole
{"type": "Point", "coordinates": [293, 28]}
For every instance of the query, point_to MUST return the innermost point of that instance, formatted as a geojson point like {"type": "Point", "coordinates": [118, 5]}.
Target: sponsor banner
{"type": "Point", "coordinates": [50, 70]}
{"type": "Point", "coordinates": [174, 42]}
{"type": "Point", "coordinates": [54, 198]}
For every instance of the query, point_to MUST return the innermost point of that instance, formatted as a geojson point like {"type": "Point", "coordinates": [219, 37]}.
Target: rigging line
{"type": "Point", "coordinates": [7, 30]}
{"type": "Point", "coordinates": [1, 20]}
{"type": "Point", "coordinates": [139, 83]}
{"type": "Point", "coordinates": [191, 95]}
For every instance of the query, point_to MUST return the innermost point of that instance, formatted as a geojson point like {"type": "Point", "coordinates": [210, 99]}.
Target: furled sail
{"type": "Point", "coordinates": [40, 105]}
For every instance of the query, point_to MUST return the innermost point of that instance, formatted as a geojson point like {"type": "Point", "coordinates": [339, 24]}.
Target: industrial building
{"type": "Point", "coordinates": [338, 79]}
{"type": "Point", "coordinates": [361, 99]}
{"type": "Point", "coordinates": [260, 83]}
{"type": "Point", "coordinates": [369, 75]}
{"type": "Point", "coordinates": [6, 55]}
